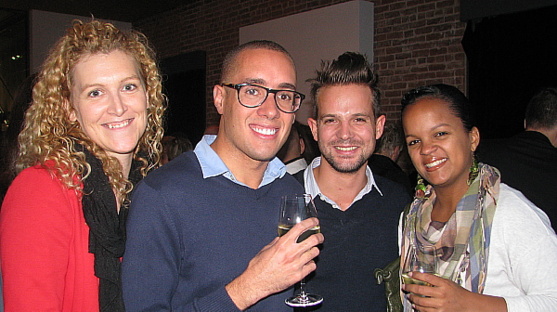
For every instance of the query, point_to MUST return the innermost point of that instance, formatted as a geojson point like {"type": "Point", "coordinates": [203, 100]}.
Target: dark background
{"type": "Point", "coordinates": [510, 57]}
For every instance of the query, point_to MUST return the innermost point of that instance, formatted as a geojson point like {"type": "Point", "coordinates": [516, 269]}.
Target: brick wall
{"type": "Point", "coordinates": [416, 41]}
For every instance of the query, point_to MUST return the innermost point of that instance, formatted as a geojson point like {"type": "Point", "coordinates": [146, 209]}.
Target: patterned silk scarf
{"type": "Point", "coordinates": [462, 243]}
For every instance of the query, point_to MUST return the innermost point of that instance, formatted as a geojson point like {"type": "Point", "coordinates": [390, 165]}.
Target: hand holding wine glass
{"type": "Point", "coordinates": [277, 266]}
{"type": "Point", "coordinates": [294, 209]}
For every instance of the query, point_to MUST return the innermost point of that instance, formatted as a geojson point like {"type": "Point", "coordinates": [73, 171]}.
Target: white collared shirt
{"type": "Point", "coordinates": [312, 188]}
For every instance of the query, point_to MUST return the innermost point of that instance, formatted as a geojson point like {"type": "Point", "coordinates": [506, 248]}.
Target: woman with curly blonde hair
{"type": "Point", "coordinates": [93, 131]}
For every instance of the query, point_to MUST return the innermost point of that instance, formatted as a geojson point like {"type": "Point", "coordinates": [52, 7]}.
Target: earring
{"type": "Point", "coordinates": [474, 170]}
{"type": "Point", "coordinates": [420, 187]}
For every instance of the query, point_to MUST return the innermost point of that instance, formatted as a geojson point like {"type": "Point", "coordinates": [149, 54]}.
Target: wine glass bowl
{"type": "Point", "coordinates": [294, 209]}
{"type": "Point", "coordinates": [419, 259]}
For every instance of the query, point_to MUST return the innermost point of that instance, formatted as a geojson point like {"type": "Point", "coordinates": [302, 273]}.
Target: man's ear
{"type": "Point", "coordinates": [218, 98]}
{"type": "Point", "coordinates": [379, 126]}
{"type": "Point", "coordinates": [302, 145]}
{"type": "Point", "coordinates": [312, 123]}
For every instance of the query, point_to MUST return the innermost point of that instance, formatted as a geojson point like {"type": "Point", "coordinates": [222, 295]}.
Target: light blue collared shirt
{"type": "Point", "coordinates": [212, 165]}
{"type": "Point", "coordinates": [312, 188]}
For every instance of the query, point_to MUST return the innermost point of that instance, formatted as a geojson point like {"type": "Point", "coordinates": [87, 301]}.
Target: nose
{"type": "Point", "coordinates": [344, 130]}
{"type": "Point", "coordinates": [269, 107]}
{"type": "Point", "coordinates": [117, 106]}
{"type": "Point", "coordinates": [427, 148]}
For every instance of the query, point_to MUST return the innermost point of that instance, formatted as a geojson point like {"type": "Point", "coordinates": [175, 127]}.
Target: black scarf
{"type": "Point", "coordinates": [107, 231]}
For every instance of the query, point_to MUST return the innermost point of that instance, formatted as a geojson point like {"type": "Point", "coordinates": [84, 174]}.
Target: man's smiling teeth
{"type": "Point", "coordinates": [265, 131]}
{"type": "Point", "coordinates": [116, 125]}
{"type": "Point", "coordinates": [436, 163]}
{"type": "Point", "coordinates": [345, 149]}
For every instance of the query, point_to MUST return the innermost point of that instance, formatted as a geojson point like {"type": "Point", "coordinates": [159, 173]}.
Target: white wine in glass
{"type": "Point", "coordinates": [283, 229]}
{"type": "Point", "coordinates": [294, 209]}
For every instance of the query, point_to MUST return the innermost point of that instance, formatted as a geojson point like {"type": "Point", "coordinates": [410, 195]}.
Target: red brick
{"type": "Point", "coordinates": [416, 41]}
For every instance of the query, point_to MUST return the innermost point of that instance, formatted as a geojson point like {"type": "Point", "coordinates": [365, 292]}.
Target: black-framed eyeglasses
{"type": "Point", "coordinates": [251, 95]}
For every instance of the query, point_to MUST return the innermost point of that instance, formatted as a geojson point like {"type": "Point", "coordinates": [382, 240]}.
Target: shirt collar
{"type": "Point", "coordinates": [312, 188]}
{"type": "Point", "coordinates": [212, 165]}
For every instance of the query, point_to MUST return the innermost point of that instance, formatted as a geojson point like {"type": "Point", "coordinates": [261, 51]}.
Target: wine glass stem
{"type": "Point", "coordinates": [303, 294]}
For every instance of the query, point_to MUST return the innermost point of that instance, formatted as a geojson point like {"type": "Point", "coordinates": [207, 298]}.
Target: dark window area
{"type": "Point", "coordinates": [510, 57]}
{"type": "Point", "coordinates": [184, 85]}
{"type": "Point", "coordinates": [14, 66]}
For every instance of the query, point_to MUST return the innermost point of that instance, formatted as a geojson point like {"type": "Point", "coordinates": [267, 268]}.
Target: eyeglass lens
{"type": "Point", "coordinates": [253, 96]}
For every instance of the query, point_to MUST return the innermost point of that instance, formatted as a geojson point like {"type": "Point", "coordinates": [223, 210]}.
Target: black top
{"type": "Point", "coordinates": [528, 163]}
{"type": "Point", "coordinates": [357, 241]}
{"type": "Point", "coordinates": [386, 167]}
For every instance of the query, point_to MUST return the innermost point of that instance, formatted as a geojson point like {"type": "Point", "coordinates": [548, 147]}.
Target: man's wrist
{"type": "Point", "coordinates": [240, 294]}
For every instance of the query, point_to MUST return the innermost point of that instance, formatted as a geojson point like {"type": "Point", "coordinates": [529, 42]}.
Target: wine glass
{"type": "Point", "coordinates": [294, 209]}
{"type": "Point", "coordinates": [419, 259]}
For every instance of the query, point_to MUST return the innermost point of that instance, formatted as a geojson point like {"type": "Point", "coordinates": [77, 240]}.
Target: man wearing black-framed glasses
{"type": "Point", "coordinates": [202, 228]}
{"type": "Point", "coordinates": [252, 95]}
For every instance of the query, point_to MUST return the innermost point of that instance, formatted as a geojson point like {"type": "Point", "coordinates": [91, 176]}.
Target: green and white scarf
{"type": "Point", "coordinates": [462, 243]}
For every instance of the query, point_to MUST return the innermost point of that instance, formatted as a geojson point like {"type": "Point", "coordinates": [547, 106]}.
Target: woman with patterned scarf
{"type": "Point", "coordinates": [495, 250]}
{"type": "Point", "coordinates": [92, 131]}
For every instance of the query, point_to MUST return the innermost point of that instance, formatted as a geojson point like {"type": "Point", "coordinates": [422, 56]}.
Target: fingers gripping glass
{"type": "Point", "coordinates": [250, 95]}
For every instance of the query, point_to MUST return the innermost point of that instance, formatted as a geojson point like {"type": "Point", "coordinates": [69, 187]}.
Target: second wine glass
{"type": "Point", "coordinates": [294, 209]}
{"type": "Point", "coordinates": [419, 259]}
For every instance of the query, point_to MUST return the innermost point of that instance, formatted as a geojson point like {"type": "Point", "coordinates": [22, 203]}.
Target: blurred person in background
{"type": "Point", "coordinates": [174, 145]}
{"type": "Point", "coordinates": [298, 150]}
{"type": "Point", "coordinates": [387, 153]}
{"type": "Point", "coordinates": [528, 160]}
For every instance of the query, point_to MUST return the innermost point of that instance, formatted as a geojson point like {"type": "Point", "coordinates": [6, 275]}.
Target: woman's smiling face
{"type": "Point", "coordinates": [439, 145]}
{"type": "Point", "coordinates": [110, 101]}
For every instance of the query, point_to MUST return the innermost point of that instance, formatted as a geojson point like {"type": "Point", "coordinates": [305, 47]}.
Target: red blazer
{"type": "Point", "coordinates": [44, 240]}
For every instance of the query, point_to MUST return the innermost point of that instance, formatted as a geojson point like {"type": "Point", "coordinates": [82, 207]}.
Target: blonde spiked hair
{"type": "Point", "coordinates": [49, 135]}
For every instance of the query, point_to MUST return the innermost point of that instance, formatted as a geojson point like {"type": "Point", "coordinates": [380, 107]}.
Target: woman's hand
{"type": "Point", "coordinates": [445, 296]}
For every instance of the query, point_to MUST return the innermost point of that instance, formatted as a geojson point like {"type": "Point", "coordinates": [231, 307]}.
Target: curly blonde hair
{"type": "Point", "coordinates": [49, 135]}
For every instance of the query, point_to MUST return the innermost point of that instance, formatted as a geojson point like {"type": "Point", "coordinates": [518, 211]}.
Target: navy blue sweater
{"type": "Point", "coordinates": [188, 237]}
{"type": "Point", "coordinates": [357, 241]}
